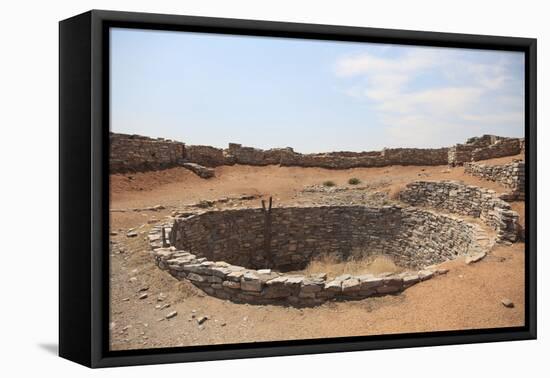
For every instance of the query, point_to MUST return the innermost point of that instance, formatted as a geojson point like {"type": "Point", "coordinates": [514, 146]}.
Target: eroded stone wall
{"type": "Point", "coordinates": [133, 152]}
{"type": "Point", "coordinates": [213, 250]}
{"type": "Point", "coordinates": [237, 154]}
{"type": "Point", "coordinates": [412, 237]}
{"type": "Point", "coordinates": [510, 175]}
{"type": "Point", "coordinates": [483, 148]}
{"type": "Point", "coordinates": [467, 200]}
{"type": "Point", "coordinates": [137, 153]}
{"type": "Point", "coordinates": [205, 155]}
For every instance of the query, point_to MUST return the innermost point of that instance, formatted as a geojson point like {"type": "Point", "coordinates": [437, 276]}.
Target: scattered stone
{"type": "Point", "coordinates": [143, 296]}
{"type": "Point", "coordinates": [202, 319]}
{"type": "Point", "coordinates": [475, 257]}
{"type": "Point", "coordinates": [125, 299]}
{"type": "Point", "coordinates": [199, 170]}
{"type": "Point", "coordinates": [143, 288]}
{"type": "Point", "coordinates": [113, 233]}
{"type": "Point", "coordinates": [507, 303]}
{"type": "Point", "coordinates": [132, 234]}
{"type": "Point", "coordinates": [170, 315]}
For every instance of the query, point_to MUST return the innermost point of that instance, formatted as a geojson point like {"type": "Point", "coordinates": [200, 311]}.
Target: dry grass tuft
{"type": "Point", "coordinates": [334, 267]}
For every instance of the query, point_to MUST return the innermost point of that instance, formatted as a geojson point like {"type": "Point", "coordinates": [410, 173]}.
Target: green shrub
{"type": "Point", "coordinates": [329, 183]}
{"type": "Point", "coordinates": [354, 181]}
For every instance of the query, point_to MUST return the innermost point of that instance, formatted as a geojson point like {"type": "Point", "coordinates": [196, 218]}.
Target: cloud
{"type": "Point", "coordinates": [430, 95]}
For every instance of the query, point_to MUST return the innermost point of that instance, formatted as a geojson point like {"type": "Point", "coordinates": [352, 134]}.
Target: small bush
{"type": "Point", "coordinates": [354, 181]}
{"type": "Point", "coordinates": [329, 183]}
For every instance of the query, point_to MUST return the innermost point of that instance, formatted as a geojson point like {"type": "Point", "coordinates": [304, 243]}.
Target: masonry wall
{"type": "Point", "coordinates": [413, 237]}
{"type": "Point", "coordinates": [238, 154]}
{"type": "Point", "coordinates": [137, 153]}
{"type": "Point", "coordinates": [133, 152]}
{"type": "Point", "coordinates": [483, 148]}
{"type": "Point", "coordinates": [510, 175]}
{"type": "Point", "coordinates": [465, 200]}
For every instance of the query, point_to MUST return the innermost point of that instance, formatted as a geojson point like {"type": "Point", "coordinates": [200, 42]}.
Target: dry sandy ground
{"type": "Point", "coordinates": [467, 297]}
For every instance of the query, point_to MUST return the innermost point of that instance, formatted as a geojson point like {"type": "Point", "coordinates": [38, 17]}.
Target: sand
{"type": "Point", "coordinates": [467, 297]}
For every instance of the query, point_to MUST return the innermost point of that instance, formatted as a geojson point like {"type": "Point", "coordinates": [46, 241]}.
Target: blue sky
{"type": "Point", "coordinates": [314, 96]}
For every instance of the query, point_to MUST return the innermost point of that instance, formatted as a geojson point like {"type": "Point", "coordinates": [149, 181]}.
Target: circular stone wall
{"type": "Point", "coordinates": [243, 254]}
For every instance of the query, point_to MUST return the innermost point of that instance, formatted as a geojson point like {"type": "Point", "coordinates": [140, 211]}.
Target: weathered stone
{"type": "Point", "coordinates": [370, 282]}
{"type": "Point", "coordinates": [335, 285]}
{"type": "Point", "coordinates": [475, 257]}
{"type": "Point", "coordinates": [507, 302]}
{"type": "Point", "coordinates": [171, 314]}
{"type": "Point", "coordinates": [252, 284]}
{"type": "Point", "coordinates": [195, 277]}
{"type": "Point", "coordinates": [350, 285]}
{"type": "Point", "coordinates": [232, 284]}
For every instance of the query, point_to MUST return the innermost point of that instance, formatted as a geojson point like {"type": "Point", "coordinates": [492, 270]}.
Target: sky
{"type": "Point", "coordinates": [314, 96]}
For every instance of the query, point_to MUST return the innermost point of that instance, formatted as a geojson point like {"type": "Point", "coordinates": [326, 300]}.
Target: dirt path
{"type": "Point", "coordinates": [465, 298]}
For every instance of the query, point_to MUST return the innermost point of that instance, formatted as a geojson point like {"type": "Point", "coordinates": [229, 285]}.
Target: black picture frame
{"type": "Point", "coordinates": [84, 189]}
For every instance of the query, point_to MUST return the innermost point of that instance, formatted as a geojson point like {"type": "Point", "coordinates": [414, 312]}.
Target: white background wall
{"type": "Point", "coordinates": [28, 204]}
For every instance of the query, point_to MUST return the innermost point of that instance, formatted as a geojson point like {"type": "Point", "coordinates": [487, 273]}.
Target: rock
{"type": "Point", "coordinates": [351, 285]}
{"type": "Point", "coordinates": [143, 288]}
{"type": "Point", "coordinates": [132, 234]}
{"type": "Point", "coordinates": [251, 285]}
{"type": "Point", "coordinates": [202, 319]}
{"type": "Point", "coordinates": [335, 285]}
{"type": "Point", "coordinates": [143, 296]}
{"type": "Point", "coordinates": [171, 314]}
{"type": "Point", "coordinates": [475, 257]}
{"type": "Point", "coordinates": [199, 170]}
{"type": "Point", "coordinates": [113, 233]}
{"type": "Point", "coordinates": [507, 303]}
{"type": "Point", "coordinates": [425, 274]}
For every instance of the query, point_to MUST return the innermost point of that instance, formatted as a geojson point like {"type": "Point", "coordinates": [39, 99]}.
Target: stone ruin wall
{"type": "Point", "coordinates": [221, 252]}
{"type": "Point", "coordinates": [510, 175]}
{"type": "Point", "coordinates": [412, 237]}
{"type": "Point", "coordinates": [485, 147]}
{"type": "Point", "coordinates": [466, 200]}
{"type": "Point", "coordinates": [136, 153]}
{"type": "Point", "coordinates": [237, 154]}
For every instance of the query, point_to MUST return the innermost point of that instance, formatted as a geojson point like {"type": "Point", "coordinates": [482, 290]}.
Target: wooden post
{"type": "Point", "coordinates": [267, 232]}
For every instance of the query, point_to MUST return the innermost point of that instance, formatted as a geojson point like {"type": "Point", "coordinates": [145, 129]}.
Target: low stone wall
{"type": "Point", "coordinates": [133, 152]}
{"type": "Point", "coordinates": [503, 147]}
{"type": "Point", "coordinates": [238, 154]}
{"type": "Point", "coordinates": [205, 155]}
{"type": "Point", "coordinates": [223, 252]}
{"type": "Point", "coordinates": [137, 153]}
{"type": "Point", "coordinates": [466, 200]}
{"type": "Point", "coordinates": [265, 286]}
{"type": "Point", "coordinates": [412, 237]}
{"type": "Point", "coordinates": [483, 148]}
{"type": "Point", "coordinates": [510, 175]}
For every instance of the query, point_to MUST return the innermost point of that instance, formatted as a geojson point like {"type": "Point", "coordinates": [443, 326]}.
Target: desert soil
{"type": "Point", "coordinates": [467, 297]}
